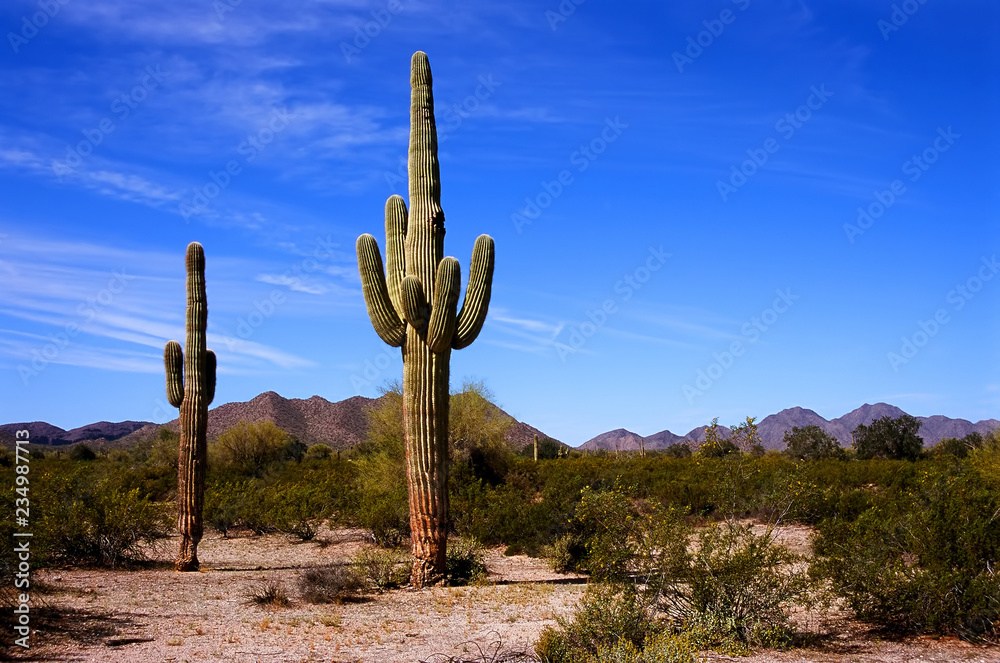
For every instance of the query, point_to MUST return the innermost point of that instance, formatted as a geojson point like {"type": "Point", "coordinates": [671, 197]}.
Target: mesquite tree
{"type": "Point", "coordinates": [413, 304]}
{"type": "Point", "coordinates": [191, 387]}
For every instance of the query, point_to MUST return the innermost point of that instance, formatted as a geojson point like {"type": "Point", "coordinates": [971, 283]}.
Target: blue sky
{"type": "Point", "coordinates": [673, 188]}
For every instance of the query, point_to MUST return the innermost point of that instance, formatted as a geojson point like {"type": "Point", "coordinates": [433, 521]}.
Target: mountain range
{"type": "Point", "coordinates": [340, 425]}
{"type": "Point", "coordinates": [772, 429]}
{"type": "Point", "coordinates": [343, 424]}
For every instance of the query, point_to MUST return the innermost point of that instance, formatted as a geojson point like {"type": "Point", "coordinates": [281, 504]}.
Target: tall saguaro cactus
{"type": "Point", "coordinates": [191, 387]}
{"type": "Point", "coordinates": [413, 304]}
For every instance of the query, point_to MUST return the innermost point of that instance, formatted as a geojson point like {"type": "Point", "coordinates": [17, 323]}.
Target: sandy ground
{"type": "Point", "coordinates": [154, 614]}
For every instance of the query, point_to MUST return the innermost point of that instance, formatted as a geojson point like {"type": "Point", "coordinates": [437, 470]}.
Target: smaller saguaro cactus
{"type": "Point", "coordinates": [191, 387]}
{"type": "Point", "coordinates": [536, 447]}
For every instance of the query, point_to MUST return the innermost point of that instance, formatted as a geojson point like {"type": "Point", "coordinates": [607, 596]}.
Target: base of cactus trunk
{"type": "Point", "coordinates": [424, 574]}
{"type": "Point", "coordinates": [187, 558]}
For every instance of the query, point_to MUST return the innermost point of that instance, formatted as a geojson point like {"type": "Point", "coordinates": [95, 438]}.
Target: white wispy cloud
{"type": "Point", "coordinates": [84, 313]}
{"type": "Point", "coordinates": [292, 283]}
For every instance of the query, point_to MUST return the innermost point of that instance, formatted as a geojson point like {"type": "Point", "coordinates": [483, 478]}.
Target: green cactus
{"type": "Point", "coordinates": [413, 305]}
{"type": "Point", "coordinates": [191, 387]}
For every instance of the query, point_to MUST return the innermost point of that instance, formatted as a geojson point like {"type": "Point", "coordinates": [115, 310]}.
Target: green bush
{"type": "Point", "coordinates": [609, 616]}
{"type": "Point", "coordinates": [565, 553]}
{"type": "Point", "coordinates": [299, 509]}
{"type": "Point", "coordinates": [384, 569]}
{"type": "Point", "coordinates": [735, 586]}
{"type": "Point", "coordinates": [224, 505]}
{"type": "Point", "coordinates": [608, 526]}
{"type": "Point", "coordinates": [386, 514]}
{"type": "Point", "coordinates": [318, 452]}
{"type": "Point", "coordinates": [891, 438]}
{"type": "Point", "coordinates": [811, 443]}
{"type": "Point", "coordinates": [921, 560]}
{"type": "Point", "coordinates": [465, 562]}
{"type": "Point", "coordinates": [252, 448]}
{"type": "Point", "coordinates": [81, 451]}
{"type": "Point", "coordinates": [88, 520]}
{"type": "Point", "coordinates": [678, 450]}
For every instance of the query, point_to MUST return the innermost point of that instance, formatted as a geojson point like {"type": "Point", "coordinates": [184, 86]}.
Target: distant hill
{"type": "Point", "coordinates": [340, 425]}
{"type": "Point", "coordinates": [772, 429]}
{"type": "Point", "coordinates": [40, 432]}
{"type": "Point", "coordinates": [615, 440]}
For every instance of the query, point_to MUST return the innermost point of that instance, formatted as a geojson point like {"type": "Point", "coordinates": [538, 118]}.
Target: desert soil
{"type": "Point", "coordinates": [155, 615]}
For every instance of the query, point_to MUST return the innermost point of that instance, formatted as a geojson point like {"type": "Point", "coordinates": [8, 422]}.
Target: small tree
{"type": "Point", "coordinates": [81, 451]}
{"type": "Point", "coordinates": [249, 448]}
{"type": "Point", "coordinates": [746, 438]}
{"type": "Point", "coordinates": [811, 443]}
{"type": "Point", "coordinates": [477, 431]}
{"type": "Point", "coordinates": [678, 450]}
{"type": "Point", "coordinates": [959, 448]}
{"type": "Point", "coordinates": [715, 446]}
{"type": "Point", "coordinates": [888, 438]}
{"type": "Point", "coordinates": [318, 452]}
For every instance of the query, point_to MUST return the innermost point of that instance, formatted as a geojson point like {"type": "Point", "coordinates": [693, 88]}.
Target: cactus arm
{"type": "Point", "coordinates": [173, 362]}
{"type": "Point", "coordinates": [395, 248]}
{"type": "Point", "coordinates": [380, 309]}
{"type": "Point", "coordinates": [477, 294]}
{"type": "Point", "coordinates": [414, 301]}
{"type": "Point", "coordinates": [447, 289]}
{"type": "Point", "coordinates": [210, 365]}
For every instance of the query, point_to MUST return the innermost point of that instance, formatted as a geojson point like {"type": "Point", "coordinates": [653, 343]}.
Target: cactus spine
{"type": "Point", "coordinates": [191, 387]}
{"type": "Point", "coordinates": [412, 304]}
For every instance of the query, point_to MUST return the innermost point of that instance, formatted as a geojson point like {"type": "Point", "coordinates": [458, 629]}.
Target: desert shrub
{"type": "Point", "coordinates": [564, 553]}
{"type": "Point", "coordinates": [477, 432]}
{"type": "Point", "coordinates": [269, 592]}
{"type": "Point", "coordinates": [888, 437]}
{"type": "Point", "coordinates": [224, 504]}
{"type": "Point", "coordinates": [382, 502]}
{"type": "Point", "coordinates": [607, 526]}
{"type": "Point", "coordinates": [678, 450]}
{"type": "Point", "coordinates": [88, 520]}
{"type": "Point", "coordinates": [81, 451]}
{"type": "Point", "coordinates": [960, 448]}
{"type": "Point", "coordinates": [250, 448]}
{"type": "Point", "coordinates": [331, 584]}
{"type": "Point", "coordinates": [298, 509]}
{"type": "Point", "coordinates": [318, 452]}
{"type": "Point", "coordinates": [385, 512]}
{"type": "Point", "coordinates": [714, 445]}
{"type": "Point", "coordinates": [659, 648]}
{"type": "Point", "coordinates": [609, 616]}
{"type": "Point", "coordinates": [162, 450]}
{"type": "Point", "coordinates": [506, 514]}
{"type": "Point", "coordinates": [464, 562]}
{"type": "Point", "coordinates": [811, 443]}
{"type": "Point", "coordinates": [548, 449]}
{"type": "Point", "coordinates": [735, 586]}
{"type": "Point", "coordinates": [921, 560]}
{"type": "Point", "coordinates": [384, 569]}
{"type": "Point", "coordinates": [718, 448]}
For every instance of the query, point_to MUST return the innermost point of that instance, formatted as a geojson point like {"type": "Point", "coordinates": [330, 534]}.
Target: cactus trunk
{"type": "Point", "coordinates": [425, 422]}
{"type": "Point", "coordinates": [413, 303]}
{"type": "Point", "coordinates": [191, 387]}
